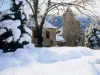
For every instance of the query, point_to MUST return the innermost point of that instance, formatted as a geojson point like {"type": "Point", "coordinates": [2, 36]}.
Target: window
{"type": "Point", "coordinates": [47, 34]}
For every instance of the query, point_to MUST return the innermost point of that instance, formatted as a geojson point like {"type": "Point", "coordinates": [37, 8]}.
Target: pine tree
{"type": "Point", "coordinates": [13, 32]}
{"type": "Point", "coordinates": [93, 37]}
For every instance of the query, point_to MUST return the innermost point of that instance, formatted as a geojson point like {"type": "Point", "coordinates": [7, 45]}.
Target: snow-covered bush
{"type": "Point", "coordinates": [93, 37]}
{"type": "Point", "coordinates": [13, 32]}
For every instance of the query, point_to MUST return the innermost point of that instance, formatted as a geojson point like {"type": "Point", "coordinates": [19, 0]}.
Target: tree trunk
{"type": "Point", "coordinates": [39, 37]}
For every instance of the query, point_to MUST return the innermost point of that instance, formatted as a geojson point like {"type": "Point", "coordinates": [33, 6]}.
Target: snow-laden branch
{"type": "Point", "coordinates": [35, 6]}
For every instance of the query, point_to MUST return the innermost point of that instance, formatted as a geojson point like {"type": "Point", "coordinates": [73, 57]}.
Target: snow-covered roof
{"type": "Point", "coordinates": [60, 38]}
{"type": "Point", "coordinates": [46, 24]}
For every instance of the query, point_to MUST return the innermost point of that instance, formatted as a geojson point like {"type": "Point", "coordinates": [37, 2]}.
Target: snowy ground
{"type": "Point", "coordinates": [51, 61]}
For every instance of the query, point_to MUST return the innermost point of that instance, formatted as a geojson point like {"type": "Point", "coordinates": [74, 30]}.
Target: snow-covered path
{"type": "Point", "coordinates": [51, 61]}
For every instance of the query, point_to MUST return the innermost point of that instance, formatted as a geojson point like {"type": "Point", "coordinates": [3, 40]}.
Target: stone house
{"type": "Point", "coordinates": [49, 33]}
{"type": "Point", "coordinates": [72, 31]}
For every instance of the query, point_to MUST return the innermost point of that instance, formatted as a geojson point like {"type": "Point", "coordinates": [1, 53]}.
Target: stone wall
{"type": "Point", "coordinates": [51, 41]}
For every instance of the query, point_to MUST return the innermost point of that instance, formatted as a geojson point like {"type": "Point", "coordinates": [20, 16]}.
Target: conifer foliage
{"type": "Point", "coordinates": [13, 32]}
{"type": "Point", "coordinates": [93, 37]}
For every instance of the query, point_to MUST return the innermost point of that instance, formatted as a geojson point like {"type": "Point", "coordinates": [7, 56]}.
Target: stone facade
{"type": "Point", "coordinates": [72, 32]}
{"type": "Point", "coordinates": [49, 37]}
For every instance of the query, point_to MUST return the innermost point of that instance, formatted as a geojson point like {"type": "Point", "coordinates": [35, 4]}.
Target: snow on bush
{"type": "Point", "coordinates": [11, 36]}
{"type": "Point", "coordinates": [93, 37]}
{"type": "Point", "coordinates": [2, 31]}
{"type": "Point", "coordinates": [25, 37]}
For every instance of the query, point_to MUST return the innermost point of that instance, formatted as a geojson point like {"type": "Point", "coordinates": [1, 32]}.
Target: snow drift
{"type": "Point", "coordinates": [50, 61]}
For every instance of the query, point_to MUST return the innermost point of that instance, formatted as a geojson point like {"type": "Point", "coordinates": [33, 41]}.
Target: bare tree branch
{"type": "Point", "coordinates": [30, 6]}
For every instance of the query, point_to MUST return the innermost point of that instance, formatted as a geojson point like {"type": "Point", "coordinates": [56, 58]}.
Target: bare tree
{"type": "Point", "coordinates": [80, 5]}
